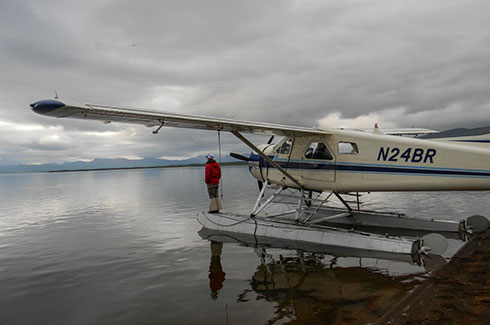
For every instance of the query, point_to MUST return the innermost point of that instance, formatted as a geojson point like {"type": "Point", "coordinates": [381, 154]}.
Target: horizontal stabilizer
{"type": "Point", "coordinates": [480, 141]}
{"type": "Point", "coordinates": [409, 131]}
{"type": "Point", "coordinates": [400, 132]}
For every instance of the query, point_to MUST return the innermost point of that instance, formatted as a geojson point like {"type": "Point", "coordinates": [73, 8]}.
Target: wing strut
{"type": "Point", "coordinates": [263, 155]}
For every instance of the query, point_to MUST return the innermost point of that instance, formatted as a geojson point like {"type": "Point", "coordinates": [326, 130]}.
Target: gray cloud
{"type": "Point", "coordinates": [402, 63]}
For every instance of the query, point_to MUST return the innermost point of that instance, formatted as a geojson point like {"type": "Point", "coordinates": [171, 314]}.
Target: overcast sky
{"type": "Point", "coordinates": [306, 63]}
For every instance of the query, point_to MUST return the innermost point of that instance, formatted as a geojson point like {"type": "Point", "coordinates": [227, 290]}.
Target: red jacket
{"type": "Point", "coordinates": [213, 172]}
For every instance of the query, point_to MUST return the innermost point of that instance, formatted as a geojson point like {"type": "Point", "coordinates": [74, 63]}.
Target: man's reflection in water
{"type": "Point", "coordinates": [216, 274]}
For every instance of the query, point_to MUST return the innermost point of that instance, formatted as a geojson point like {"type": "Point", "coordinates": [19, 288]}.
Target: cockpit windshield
{"type": "Point", "coordinates": [284, 147]}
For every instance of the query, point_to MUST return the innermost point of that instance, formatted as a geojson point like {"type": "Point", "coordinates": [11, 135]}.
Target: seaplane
{"type": "Point", "coordinates": [308, 168]}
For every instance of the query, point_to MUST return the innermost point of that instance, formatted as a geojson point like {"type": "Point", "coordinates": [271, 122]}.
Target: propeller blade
{"type": "Point", "coordinates": [261, 184]}
{"type": "Point", "coordinates": [270, 140]}
{"type": "Point", "coordinates": [238, 156]}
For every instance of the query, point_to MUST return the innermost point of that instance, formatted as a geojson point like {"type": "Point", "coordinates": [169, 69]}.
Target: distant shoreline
{"type": "Point", "coordinates": [238, 163]}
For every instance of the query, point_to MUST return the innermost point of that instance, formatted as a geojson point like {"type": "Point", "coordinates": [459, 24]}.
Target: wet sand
{"type": "Point", "coordinates": [458, 293]}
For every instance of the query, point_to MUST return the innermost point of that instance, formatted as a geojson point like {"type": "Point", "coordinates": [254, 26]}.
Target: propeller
{"type": "Point", "coordinates": [238, 156]}
{"type": "Point", "coordinates": [242, 157]}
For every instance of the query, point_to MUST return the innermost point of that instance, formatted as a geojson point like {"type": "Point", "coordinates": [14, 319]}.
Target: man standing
{"type": "Point", "coordinates": [213, 175]}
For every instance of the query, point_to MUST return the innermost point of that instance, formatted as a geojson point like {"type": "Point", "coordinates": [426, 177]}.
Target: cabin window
{"type": "Point", "coordinates": [318, 150]}
{"type": "Point", "coordinates": [285, 147]}
{"type": "Point", "coordinates": [348, 148]}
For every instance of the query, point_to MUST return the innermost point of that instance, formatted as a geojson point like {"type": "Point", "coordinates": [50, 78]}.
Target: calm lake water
{"type": "Point", "coordinates": [122, 247]}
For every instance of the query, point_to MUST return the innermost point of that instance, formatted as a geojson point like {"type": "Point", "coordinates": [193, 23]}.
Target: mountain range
{"type": "Point", "coordinates": [117, 163]}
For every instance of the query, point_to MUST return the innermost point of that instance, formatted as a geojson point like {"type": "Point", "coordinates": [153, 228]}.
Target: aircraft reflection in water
{"type": "Point", "coordinates": [306, 289]}
{"type": "Point", "coordinates": [314, 285]}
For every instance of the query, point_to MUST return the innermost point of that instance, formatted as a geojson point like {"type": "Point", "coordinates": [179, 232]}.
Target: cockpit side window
{"type": "Point", "coordinates": [285, 147]}
{"type": "Point", "coordinates": [318, 150]}
{"type": "Point", "coordinates": [348, 148]}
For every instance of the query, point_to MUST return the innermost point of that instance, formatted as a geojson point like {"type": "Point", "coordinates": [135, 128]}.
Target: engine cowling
{"type": "Point", "coordinates": [258, 166]}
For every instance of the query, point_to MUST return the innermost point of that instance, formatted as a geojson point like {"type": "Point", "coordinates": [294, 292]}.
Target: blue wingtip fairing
{"type": "Point", "coordinates": [46, 105]}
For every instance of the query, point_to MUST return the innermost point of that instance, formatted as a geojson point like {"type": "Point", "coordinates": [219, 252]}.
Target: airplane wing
{"type": "Point", "coordinates": [108, 114]}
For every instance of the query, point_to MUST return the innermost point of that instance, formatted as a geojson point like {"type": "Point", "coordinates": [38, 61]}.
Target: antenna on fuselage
{"type": "Point", "coordinates": [56, 95]}
{"type": "Point", "coordinates": [376, 129]}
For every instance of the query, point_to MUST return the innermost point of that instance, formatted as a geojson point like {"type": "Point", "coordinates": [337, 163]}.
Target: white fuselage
{"type": "Point", "coordinates": [363, 162]}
